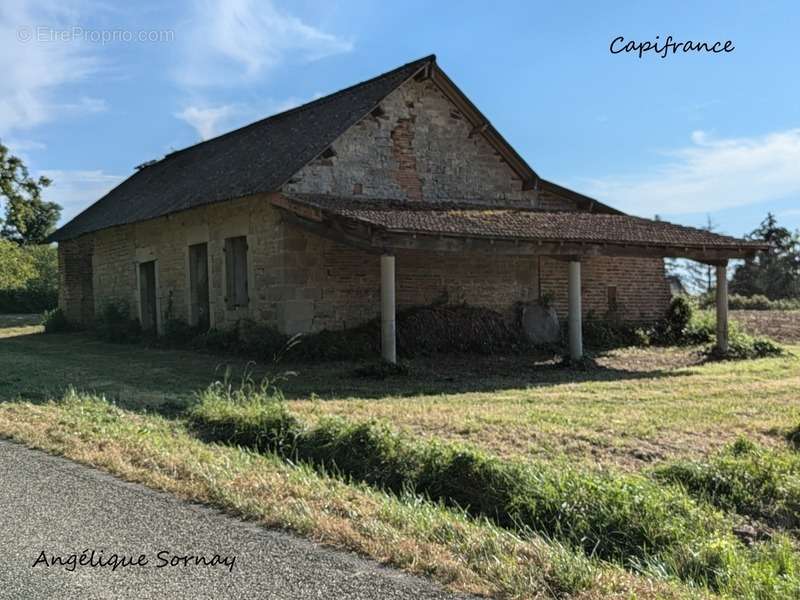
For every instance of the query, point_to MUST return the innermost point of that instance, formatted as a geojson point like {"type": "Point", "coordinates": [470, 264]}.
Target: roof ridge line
{"type": "Point", "coordinates": [302, 107]}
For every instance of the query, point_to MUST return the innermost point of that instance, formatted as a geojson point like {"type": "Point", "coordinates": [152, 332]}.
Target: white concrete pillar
{"type": "Point", "coordinates": [575, 317]}
{"type": "Point", "coordinates": [388, 331]}
{"type": "Point", "coordinates": [722, 308]}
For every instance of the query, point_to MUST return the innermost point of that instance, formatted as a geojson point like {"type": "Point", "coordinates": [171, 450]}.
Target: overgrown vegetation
{"type": "Point", "coordinates": [55, 321]}
{"type": "Point", "coordinates": [438, 328]}
{"type": "Point", "coordinates": [702, 330]}
{"type": "Point", "coordinates": [628, 519]}
{"type": "Point", "coordinates": [465, 554]}
{"type": "Point", "coordinates": [682, 325]}
{"type": "Point", "coordinates": [115, 323]}
{"type": "Point", "coordinates": [421, 331]}
{"type": "Point", "coordinates": [28, 277]}
{"type": "Point", "coordinates": [744, 478]}
{"type": "Point", "coordinates": [755, 302]}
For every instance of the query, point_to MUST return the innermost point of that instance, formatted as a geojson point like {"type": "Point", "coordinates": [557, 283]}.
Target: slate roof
{"type": "Point", "coordinates": [257, 158]}
{"type": "Point", "coordinates": [515, 223]}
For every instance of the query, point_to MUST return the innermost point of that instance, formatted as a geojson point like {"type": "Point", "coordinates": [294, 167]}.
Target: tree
{"type": "Point", "coordinates": [28, 218]}
{"type": "Point", "coordinates": [774, 273]}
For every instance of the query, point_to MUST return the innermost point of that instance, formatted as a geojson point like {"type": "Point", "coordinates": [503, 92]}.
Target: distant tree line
{"type": "Point", "coordinates": [774, 273]}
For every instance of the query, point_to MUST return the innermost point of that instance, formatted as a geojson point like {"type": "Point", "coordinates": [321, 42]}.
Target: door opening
{"type": "Point", "coordinates": [198, 286]}
{"type": "Point", "coordinates": [147, 295]}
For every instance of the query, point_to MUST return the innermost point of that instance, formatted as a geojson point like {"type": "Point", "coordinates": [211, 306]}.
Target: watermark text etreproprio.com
{"type": "Point", "coordinates": [94, 36]}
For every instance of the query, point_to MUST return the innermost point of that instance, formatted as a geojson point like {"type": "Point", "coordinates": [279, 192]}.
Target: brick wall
{"type": "Point", "coordinates": [642, 291]}
{"type": "Point", "coordinates": [342, 286]}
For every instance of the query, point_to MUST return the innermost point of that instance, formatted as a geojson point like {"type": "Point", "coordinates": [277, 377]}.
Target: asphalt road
{"type": "Point", "coordinates": [62, 508]}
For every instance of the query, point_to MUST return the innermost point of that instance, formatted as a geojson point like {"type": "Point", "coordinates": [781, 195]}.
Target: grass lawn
{"type": "Point", "coordinates": [641, 407]}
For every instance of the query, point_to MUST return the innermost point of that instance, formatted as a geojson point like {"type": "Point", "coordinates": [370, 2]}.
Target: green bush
{"type": "Point", "coordinates": [630, 519]}
{"type": "Point", "coordinates": [702, 329]}
{"type": "Point", "coordinates": [755, 302]}
{"type": "Point", "coordinates": [28, 278]}
{"type": "Point", "coordinates": [55, 321]}
{"type": "Point", "coordinates": [744, 478]}
{"type": "Point", "coordinates": [614, 333]}
{"type": "Point", "coordinates": [115, 324]}
{"type": "Point", "coordinates": [743, 347]}
{"type": "Point", "coordinates": [679, 315]}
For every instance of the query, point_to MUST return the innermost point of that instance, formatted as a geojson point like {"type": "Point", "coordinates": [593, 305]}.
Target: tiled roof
{"type": "Point", "coordinates": [515, 223]}
{"type": "Point", "coordinates": [258, 158]}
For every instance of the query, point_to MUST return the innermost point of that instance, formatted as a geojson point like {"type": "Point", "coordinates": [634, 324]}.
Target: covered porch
{"type": "Point", "coordinates": [389, 228]}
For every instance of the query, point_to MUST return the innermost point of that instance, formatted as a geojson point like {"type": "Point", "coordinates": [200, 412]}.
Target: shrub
{"type": "Point", "coordinates": [55, 321]}
{"type": "Point", "coordinates": [28, 277]}
{"type": "Point", "coordinates": [702, 329]}
{"type": "Point", "coordinates": [755, 302]}
{"type": "Point", "coordinates": [421, 331]}
{"type": "Point", "coordinates": [178, 332]}
{"type": "Point", "coordinates": [114, 323]}
{"type": "Point", "coordinates": [679, 315]}
{"type": "Point", "coordinates": [746, 479]}
{"type": "Point", "coordinates": [630, 519]}
{"type": "Point", "coordinates": [793, 437]}
{"type": "Point", "coordinates": [743, 347]}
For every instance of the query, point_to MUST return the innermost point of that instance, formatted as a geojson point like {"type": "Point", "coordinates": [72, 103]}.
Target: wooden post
{"type": "Point", "coordinates": [722, 307]}
{"type": "Point", "coordinates": [388, 332]}
{"type": "Point", "coordinates": [575, 317]}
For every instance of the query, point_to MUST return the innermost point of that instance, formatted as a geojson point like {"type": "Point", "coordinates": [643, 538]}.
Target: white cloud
{"type": "Point", "coordinates": [710, 174]}
{"type": "Point", "coordinates": [76, 190]}
{"type": "Point", "coordinates": [209, 121]}
{"type": "Point", "coordinates": [206, 120]}
{"type": "Point", "coordinates": [228, 41]}
{"type": "Point", "coordinates": [33, 69]}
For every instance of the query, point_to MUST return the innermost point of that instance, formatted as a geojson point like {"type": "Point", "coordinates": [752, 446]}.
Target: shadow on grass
{"type": "Point", "coordinates": [37, 368]}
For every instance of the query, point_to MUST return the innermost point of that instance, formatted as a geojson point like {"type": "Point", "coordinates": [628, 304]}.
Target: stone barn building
{"type": "Point", "coordinates": [384, 195]}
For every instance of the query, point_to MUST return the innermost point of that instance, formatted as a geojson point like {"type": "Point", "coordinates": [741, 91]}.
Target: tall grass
{"type": "Point", "coordinates": [744, 478]}
{"type": "Point", "coordinates": [464, 553]}
{"type": "Point", "coordinates": [629, 519]}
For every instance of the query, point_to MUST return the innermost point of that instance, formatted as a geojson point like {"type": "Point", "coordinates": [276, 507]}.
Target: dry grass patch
{"type": "Point", "coordinates": [462, 553]}
{"type": "Point", "coordinates": [781, 325]}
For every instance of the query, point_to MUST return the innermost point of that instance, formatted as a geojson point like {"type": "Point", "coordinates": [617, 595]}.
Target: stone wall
{"type": "Point", "coordinates": [301, 282]}
{"type": "Point", "coordinates": [110, 259]}
{"type": "Point", "coordinates": [418, 147]}
{"type": "Point", "coordinates": [75, 284]}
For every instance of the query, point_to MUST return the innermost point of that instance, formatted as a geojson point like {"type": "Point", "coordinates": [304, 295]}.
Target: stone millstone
{"type": "Point", "coordinates": [541, 324]}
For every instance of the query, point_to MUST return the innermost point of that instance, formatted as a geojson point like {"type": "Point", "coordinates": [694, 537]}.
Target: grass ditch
{"type": "Point", "coordinates": [744, 478]}
{"type": "Point", "coordinates": [446, 544]}
{"type": "Point", "coordinates": [631, 520]}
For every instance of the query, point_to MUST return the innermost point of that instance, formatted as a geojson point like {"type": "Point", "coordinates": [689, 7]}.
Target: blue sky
{"type": "Point", "coordinates": [684, 137]}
